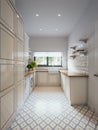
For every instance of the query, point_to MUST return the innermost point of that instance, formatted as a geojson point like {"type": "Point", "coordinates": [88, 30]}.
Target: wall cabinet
{"type": "Point", "coordinates": [20, 94]}
{"type": "Point", "coordinates": [19, 71]}
{"type": "Point", "coordinates": [11, 63]}
{"type": "Point", "coordinates": [7, 14]}
{"type": "Point", "coordinates": [6, 107]}
{"type": "Point", "coordinates": [19, 49]}
{"type": "Point", "coordinates": [7, 76]}
{"type": "Point", "coordinates": [7, 42]}
{"type": "Point", "coordinates": [75, 88]}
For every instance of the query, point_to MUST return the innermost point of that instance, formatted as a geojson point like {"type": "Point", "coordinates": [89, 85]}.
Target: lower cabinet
{"type": "Point", "coordinates": [29, 85]}
{"type": "Point", "coordinates": [75, 88]}
{"type": "Point", "coordinates": [7, 107]}
{"type": "Point", "coordinates": [20, 94]}
{"type": "Point", "coordinates": [47, 78]}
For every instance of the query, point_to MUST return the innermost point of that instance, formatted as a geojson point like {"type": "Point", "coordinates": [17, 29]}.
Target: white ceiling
{"type": "Point", "coordinates": [70, 10]}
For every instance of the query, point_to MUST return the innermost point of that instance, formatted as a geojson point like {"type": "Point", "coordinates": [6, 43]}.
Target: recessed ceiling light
{"type": "Point", "coordinates": [37, 15]}
{"type": "Point", "coordinates": [41, 29]}
{"type": "Point", "coordinates": [56, 29]}
{"type": "Point", "coordinates": [59, 15]}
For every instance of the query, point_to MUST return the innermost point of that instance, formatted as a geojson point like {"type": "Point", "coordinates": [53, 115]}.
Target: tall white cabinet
{"type": "Point", "coordinates": [11, 63]}
{"type": "Point", "coordinates": [93, 70]}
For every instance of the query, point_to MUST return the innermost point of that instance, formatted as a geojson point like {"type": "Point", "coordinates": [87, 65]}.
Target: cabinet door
{"type": "Point", "coordinates": [7, 76]}
{"type": "Point", "coordinates": [96, 67]}
{"type": "Point", "coordinates": [19, 71]}
{"type": "Point", "coordinates": [7, 14]}
{"type": "Point", "coordinates": [27, 87]}
{"type": "Point", "coordinates": [20, 94]}
{"type": "Point", "coordinates": [19, 27]}
{"type": "Point", "coordinates": [42, 78]}
{"type": "Point", "coordinates": [6, 107]}
{"type": "Point", "coordinates": [19, 50]}
{"type": "Point", "coordinates": [54, 79]}
{"type": "Point", "coordinates": [7, 42]}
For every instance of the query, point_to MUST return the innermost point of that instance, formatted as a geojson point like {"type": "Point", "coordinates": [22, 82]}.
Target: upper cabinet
{"type": "Point", "coordinates": [7, 14]}
{"type": "Point", "coordinates": [18, 26]}
{"type": "Point", "coordinates": [7, 42]}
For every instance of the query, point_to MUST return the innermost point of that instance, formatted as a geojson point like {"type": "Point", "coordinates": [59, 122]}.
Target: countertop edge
{"type": "Point", "coordinates": [65, 72]}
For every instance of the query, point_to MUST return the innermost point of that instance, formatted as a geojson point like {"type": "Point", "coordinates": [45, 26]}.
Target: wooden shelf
{"type": "Point", "coordinates": [73, 47]}
{"type": "Point", "coordinates": [73, 56]}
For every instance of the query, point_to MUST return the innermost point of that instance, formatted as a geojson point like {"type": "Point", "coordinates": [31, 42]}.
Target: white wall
{"type": "Point", "coordinates": [85, 29]}
{"type": "Point", "coordinates": [52, 44]}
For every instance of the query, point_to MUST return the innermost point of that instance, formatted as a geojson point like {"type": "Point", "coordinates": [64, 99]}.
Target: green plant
{"type": "Point", "coordinates": [29, 66]}
{"type": "Point", "coordinates": [34, 64]}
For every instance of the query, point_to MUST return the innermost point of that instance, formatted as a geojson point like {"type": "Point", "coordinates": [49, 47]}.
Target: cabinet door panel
{"type": "Point", "coordinates": [54, 79]}
{"type": "Point", "coordinates": [19, 28]}
{"type": "Point", "coordinates": [19, 72]}
{"type": "Point", "coordinates": [42, 78]}
{"type": "Point", "coordinates": [19, 50]}
{"type": "Point", "coordinates": [96, 66]}
{"type": "Point", "coordinates": [7, 76]}
{"type": "Point", "coordinates": [7, 107]}
{"type": "Point", "coordinates": [7, 45]}
{"type": "Point", "coordinates": [6, 14]}
{"type": "Point", "coordinates": [20, 94]}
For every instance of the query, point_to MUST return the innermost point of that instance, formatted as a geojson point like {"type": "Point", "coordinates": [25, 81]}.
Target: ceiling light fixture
{"type": "Point", "coordinates": [41, 29]}
{"type": "Point", "coordinates": [37, 15]}
{"type": "Point", "coordinates": [59, 15]}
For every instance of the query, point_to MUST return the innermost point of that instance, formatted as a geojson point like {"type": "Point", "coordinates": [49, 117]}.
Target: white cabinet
{"type": "Point", "coordinates": [7, 14]}
{"type": "Point", "coordinates": [19, 27]}
{"type": "Point", "coordinates": [46, 78]}
{"type": "Point", "coordinates": [42, 78]}
{"type": "Point", "coordinates": [7, 42]}
{"type": "Point", "coordinates": [29, 85]}
{"type": "Point", "coordinates": [7, 76]}
{"type": "Point", "coordinates": [19, 49]}
{"type": "Point", "coordinates": [75, 88]}
{"type": "Point", "coordinates": [19, 71]}
{"type": "Point", "coordinates": [54, 79]}
{"type": "Point", "coordinates": [6, 107]}
{"type": "Point", "coordinates": [20, 94]}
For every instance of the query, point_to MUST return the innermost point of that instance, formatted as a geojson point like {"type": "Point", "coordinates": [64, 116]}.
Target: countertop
{"type": "Point", "coordinates": [65, 72]}
{"type": "Point", "coordinates": [71, 74]}
{"type": "Point", "coordinates": [32, 71]}
{"type": "Point", "coordinates": [29, 73]}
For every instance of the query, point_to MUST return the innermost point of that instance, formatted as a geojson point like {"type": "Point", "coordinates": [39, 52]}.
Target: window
{"type": "Point", "coordinates": [48, 59]}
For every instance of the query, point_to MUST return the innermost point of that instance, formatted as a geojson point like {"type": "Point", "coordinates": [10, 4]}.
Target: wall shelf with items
{"type": "Point", "coordinates": [73, 56]}
{"type": "Point", "coordinates": [79, 49]}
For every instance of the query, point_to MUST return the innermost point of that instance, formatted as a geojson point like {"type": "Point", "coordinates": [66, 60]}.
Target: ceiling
{"type": "Point", "coordinates": [48, 23]}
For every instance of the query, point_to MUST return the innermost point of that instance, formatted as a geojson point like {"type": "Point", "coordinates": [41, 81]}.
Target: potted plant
{"type": "Point", "coordinates": [29, 66]}
{"type": "Point", "coordinates": [32, 65]}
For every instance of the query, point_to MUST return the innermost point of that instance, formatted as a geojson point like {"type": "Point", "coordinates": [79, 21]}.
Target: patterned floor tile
{"type": "Point", "coordinates": [48, 109]}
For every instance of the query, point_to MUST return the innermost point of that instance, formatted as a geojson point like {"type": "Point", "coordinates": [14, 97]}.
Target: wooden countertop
{"type": "Point", "coordinates": [29, 73]}
{"type": "Point", "coordinates": [65, 72]}
{"type": "Point", "coordinates": [32, 71]}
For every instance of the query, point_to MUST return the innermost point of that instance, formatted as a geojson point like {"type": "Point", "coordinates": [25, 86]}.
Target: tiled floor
{"type": "Point", "coordinates": [48, 109]}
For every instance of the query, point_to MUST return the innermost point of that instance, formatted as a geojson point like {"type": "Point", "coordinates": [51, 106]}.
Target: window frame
{"type": "Point", "coordinates": [47, 65]}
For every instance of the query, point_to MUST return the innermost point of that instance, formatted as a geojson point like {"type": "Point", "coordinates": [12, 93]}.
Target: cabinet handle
{"type": "Point", "coordinates": [96, 75]}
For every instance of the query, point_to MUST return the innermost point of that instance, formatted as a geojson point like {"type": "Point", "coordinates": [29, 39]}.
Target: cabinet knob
{"type": "Point", "coordinates": [96, 75]}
